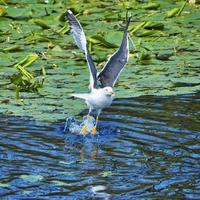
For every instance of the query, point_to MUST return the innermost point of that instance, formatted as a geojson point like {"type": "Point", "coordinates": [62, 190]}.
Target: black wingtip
{"type": "Point", "coordinates": [128, 19]}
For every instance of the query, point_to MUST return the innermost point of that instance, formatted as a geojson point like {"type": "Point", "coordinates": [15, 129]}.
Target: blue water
{"type": "Point", "coordinates": [147, 148]}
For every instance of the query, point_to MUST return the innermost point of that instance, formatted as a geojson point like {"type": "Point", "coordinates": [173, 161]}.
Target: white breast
{"type": "Point", "coordinates": [98, 99]}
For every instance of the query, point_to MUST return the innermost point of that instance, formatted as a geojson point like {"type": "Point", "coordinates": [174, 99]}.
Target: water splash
{"type": "Point", "coordinates": [73, 126]}
{"type": "Point", "coordinates": [104, 128]}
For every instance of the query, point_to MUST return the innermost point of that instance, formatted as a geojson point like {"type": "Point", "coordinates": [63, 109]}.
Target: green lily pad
{"type": "Point", "coordinates": [41, 23]}
{"type": "Point", "coordinates": [2, 11]}
{"type": "Point", "coordinates": [152, 6]}
{"type": "Point", "coordinates": [154, 25]}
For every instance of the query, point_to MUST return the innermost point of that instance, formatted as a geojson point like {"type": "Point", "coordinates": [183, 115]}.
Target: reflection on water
{"type": "Point", "coordinates": [147, 148]}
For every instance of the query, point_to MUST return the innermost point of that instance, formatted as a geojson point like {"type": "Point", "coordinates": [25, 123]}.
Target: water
{"type": "Point", "coordinates": [147, 148]}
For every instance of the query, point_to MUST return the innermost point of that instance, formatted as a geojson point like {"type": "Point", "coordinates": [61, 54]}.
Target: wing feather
{"type": "Point", "coordinates": [80, 39]}
{"type": "Point", "coordinates": [115, 64]}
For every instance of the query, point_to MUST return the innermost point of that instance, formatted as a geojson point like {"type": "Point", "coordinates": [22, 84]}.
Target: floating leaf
{"type": "Point", "coordinates": [24, 80]}
{"type": "Point", "coordinates": [163, 56]}
{"type": "Point", "coordinates": [175, 12]}
{"type": "Point", "coordinates": [103, 42]}
{"type": "Point", "coordinates": [12, 48]}
{"type": "Point", "coordinates": [2, 11]}
{"type": "Point", "coordinates": [145, 33]}
{"type": "Point", "coordinates": [181, 9]}
{"type": "Point", "coordinates": [61, 17]}
{"type": "Point", "coordinates": [41, 23]}
{"type": "Point", "coordinates": [101, 55]}
{"type": "Point", "coordinates": [114, 37]}
{"type": "Point", "coordinates": [28, 60]}
{"type": "Point", "coordinates": [152, 6]}
{"type": "Point", "coordinates": [3, 2]}
{"type": "Point", "coordinates": [18, 12]}
{"type": "Point", "coordinates": [57, 49]}
{"type": "Point", "coordinates": [144, 58]}
{"type": "Point", "coordinates": [154, 25]}
{"type": "Point", "coordinates": [64, 29]}
{"type": "Point", "coordinates": [37, 38]}
{"type": "Point", "coordinates": [134, 29]}
{"type": "Point", "coordinates": [4, 32]}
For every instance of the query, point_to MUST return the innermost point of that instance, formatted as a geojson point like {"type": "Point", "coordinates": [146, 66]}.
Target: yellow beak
{"type": "Point", "coordinates": [111, 93]}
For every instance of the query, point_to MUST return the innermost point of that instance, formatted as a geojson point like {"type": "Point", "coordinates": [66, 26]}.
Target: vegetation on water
{"type": "Point", "coordinates": [40, 64]}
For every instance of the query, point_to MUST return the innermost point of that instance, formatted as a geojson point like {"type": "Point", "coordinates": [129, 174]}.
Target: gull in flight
{"type": "Point", "coordinates": [99, 97]}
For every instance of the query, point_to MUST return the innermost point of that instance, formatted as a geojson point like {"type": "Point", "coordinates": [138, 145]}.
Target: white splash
{"type": "Point", "coordinates": [73, 126]}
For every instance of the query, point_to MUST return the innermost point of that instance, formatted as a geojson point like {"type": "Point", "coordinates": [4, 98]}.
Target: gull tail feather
{"type": "Point", "coordinates": [81, 96]}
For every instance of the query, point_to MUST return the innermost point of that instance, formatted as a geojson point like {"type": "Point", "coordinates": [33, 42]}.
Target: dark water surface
{"type": "Point", "coordinates": [148, 148]}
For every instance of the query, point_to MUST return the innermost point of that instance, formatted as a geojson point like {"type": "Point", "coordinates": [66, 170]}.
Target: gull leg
{"type": "Point", "coordinates": [84, 128]}
{"type": "Point", "coordinates": [94, 129]}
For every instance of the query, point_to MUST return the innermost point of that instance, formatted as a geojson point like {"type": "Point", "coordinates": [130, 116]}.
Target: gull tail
{"type": "Point", "coordinates": [81, 96]}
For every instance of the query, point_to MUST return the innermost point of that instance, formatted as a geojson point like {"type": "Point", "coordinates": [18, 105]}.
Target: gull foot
{"type": "Point", "coordinates": [94, 130]}
{"type": "Point", "coordinates": [84, 130]}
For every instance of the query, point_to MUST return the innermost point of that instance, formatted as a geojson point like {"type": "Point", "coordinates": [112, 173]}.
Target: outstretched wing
{"type": "Point", "coordinates": [115, 64]}
{"type": "Point", "coordinates": [80, 39]}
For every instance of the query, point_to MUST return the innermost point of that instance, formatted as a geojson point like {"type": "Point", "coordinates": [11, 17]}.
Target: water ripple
{"type": "Point", "coordinates": [147, 148]}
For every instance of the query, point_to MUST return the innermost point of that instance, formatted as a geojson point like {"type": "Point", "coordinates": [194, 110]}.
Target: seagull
{"type": "Point", "coordinates": [99, 97]}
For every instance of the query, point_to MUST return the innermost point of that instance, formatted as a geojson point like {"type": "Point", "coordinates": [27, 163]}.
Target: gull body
{"type": "Point", "coordinates": [99, 98]}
